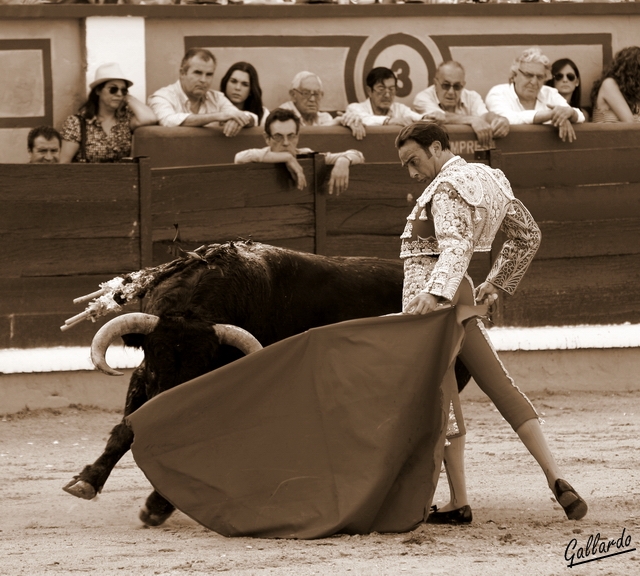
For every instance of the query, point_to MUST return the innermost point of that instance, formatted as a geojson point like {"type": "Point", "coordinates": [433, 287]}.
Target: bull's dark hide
{"type": "Point", "coordinates": [272, 292]}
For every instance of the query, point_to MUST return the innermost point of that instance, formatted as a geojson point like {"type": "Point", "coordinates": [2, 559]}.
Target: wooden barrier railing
{"type": "Point", "coordinates": [586, 198]}
{"type": "Point", "coordinates": [65, 229]}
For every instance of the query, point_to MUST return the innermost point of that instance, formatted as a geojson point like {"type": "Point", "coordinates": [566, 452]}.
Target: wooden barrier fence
{"type": "Point", "coordinates": [65, 229]}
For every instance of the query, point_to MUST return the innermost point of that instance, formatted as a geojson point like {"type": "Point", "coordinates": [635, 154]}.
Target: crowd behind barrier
{"type": "Point", "coordinates": [538, 92]}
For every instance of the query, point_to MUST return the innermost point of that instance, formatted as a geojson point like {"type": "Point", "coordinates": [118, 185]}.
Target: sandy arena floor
{"type": "Point", "coordinates": [518, 528]}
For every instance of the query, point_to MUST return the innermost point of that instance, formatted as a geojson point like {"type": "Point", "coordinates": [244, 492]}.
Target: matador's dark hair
{"type": "Point", "coordinates": [424, 134]}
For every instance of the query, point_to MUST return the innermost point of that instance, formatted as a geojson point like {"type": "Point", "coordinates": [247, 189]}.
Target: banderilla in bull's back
{"type": "Point", "coordinates": [122, 290]}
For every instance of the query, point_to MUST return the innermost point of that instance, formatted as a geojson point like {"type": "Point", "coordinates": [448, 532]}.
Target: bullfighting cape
{"type": "Point", "coordinates": [336, 430]}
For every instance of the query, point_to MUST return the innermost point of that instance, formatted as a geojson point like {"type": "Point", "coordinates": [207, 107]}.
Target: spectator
{"type": "Point", "coordinates": [103, 128]}
{"type": "Point", "coordinates": [44, 144]}
{"type": "Point", "coordinates": [191, 102]}
{"type": "Point", "coordinates": [380, 109]}
{"type": "Point", "coordinates": [526, 99]}
{"type": "Point", "coordinates": [241, 86]}
{"type": "Point", "coordinates": [565, 78]}
{"type": "Point", "coordinates": [306, 98]}
{"type": "Point", "coordinates": [447, 101]}
{"type": "Point", "coordinates": [616, 94]}
{"type": "Point", "coordinates": [282, 130]}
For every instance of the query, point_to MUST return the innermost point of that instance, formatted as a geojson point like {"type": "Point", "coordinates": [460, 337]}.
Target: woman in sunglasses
{"type": "Point", "coordinates": [527, 100]}
{"type": "Point", "coordinates": [102, 129]}
{"type": "Point", "coordinates": [565, 78]}
{"type": "Point", "coordinates": [616, 94]}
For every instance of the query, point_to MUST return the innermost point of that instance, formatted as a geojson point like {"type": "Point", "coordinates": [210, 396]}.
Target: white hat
{"type": "Point", "coordinates": [110, 71]}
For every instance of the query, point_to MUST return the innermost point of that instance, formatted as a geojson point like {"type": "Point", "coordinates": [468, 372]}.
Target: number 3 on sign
{"type": "Point", "coordinates": [402, 70]}
{"type": "Point", "coordinates": [410, 60]}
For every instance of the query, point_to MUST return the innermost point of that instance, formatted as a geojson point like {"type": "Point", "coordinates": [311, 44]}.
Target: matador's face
{"type": "Point", "coordinates": [420, 162]}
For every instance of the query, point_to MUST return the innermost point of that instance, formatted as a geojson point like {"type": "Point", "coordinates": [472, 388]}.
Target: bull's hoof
{"type": "Point", "coordinates": [153, 519]}
{"type": "Point", "coordinates": [80, 489]}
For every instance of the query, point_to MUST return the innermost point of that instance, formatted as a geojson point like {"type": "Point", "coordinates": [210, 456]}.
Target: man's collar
{"type": "Point", "coordinates": [449, 162]}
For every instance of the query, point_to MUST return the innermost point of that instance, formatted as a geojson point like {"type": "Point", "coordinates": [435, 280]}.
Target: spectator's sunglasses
{"type": "Point", "coordinates": [559, 76]}
{"type": "Point", "coordinates": [446, 86]}
{"type": "Point", "coordinates": [116, 89]}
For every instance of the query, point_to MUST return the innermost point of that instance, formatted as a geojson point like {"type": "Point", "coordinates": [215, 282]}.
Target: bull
{"type": "Point", "coordinates": [215, 306]}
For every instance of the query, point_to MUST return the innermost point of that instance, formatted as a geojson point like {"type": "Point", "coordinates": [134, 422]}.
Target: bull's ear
{"type": "Point", "coordinates": [133, 340]}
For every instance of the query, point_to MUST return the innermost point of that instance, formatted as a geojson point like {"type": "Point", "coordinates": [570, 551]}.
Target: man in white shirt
{"type": "Point", "coordinates": [447, 101]}
{"type": "Point", "coordinates": [306, 97]}
{"type": "Point", "coordinates": [380, 108]}
{"type": "Point", "coordinates": [191, 102]}
{"type": "Point", "coordinates": [282, 131]}
{"type": "Point", "coordinates": [526, 99]}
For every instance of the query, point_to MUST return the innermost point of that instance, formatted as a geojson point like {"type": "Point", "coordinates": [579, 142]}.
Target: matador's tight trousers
{"type": "Point", "coordinates": [480, 358]}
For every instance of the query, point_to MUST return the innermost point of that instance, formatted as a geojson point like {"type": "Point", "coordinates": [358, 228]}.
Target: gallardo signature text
{"type": "Point", "coordinates": [597, 549]}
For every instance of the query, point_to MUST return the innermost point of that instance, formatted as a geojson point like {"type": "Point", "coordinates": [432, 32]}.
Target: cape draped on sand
{"type": "Point", "coordinates": [340, 429]}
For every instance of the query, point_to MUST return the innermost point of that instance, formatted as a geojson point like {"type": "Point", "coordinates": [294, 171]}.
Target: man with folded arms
{"type": "Point", "coordinates": [282, 131]}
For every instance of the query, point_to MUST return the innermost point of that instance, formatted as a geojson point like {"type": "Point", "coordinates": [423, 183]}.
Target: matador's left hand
{"type": "Point", "coordinates": [487, 292]}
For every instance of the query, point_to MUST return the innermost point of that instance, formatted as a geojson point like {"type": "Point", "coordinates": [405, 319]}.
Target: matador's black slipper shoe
{"type": "Point", "coordinates": [458, 516]}
{"type": "Point", "coordinates": [574, 507]}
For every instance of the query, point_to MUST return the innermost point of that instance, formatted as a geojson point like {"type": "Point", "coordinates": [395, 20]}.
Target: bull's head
{"type": "Point", "coordinates": [176, 349]}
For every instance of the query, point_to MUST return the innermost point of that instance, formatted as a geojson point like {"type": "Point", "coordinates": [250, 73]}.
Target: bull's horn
{"type": "Point", "coordinates": [132, 323]}
{"type": "Point", "coordinates": [238, 337]}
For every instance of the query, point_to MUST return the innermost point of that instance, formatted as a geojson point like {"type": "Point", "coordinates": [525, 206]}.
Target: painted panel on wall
{"type": "Point", "coordinates": [26, 97]}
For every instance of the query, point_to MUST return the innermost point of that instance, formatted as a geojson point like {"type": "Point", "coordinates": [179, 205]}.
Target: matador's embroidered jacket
{"type": "Point", "coordinates": [460, 213]}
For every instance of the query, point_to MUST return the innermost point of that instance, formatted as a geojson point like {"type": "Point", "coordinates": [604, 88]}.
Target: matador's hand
{"type": "Point", "coordinates": [487, 292]}
{"type": "Point", "coordinates": [423, 303]}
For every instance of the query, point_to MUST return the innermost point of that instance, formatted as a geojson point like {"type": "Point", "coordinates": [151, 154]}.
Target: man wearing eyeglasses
{"type": "Point", "coordinates": [527, 100]}
{"type": "Point", "coordinates": [306, 97]}
{"type": "Point", "coordinates": [281, 132]}
{"type": "Point", "coordinates": [447, 101]}
{"type": "Point", "coordinates": [191, 102]}
{"type": "Point", "coordinates": [380, 108]}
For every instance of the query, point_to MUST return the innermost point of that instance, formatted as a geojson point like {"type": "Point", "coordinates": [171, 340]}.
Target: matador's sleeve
{"type": "Point", "coordinates": [453, 222]}
{"type": "Point", "coordinates": [523, 241]}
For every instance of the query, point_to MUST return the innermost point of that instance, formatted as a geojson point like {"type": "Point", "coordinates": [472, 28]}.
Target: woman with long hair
{"type": "Point", "coordinates": [616, 94]}
{"type": "Point", "coordinates": [102, 130]}
{"type": "Point", "coordinates": [241, 85]}
{"type": "Point", "coordinates": [565, 78]}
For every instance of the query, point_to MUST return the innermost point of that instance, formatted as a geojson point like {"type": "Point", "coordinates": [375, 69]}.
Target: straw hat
{"type": "Point", "coordinates": [110, 71]}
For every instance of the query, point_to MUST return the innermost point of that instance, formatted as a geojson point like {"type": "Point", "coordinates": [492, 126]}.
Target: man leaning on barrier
{"type": "Point", "coordinates": [191, 102]}
{"type": "Point", "coordinates": [380, 108]}
{"type": "Point", "coordinates": [281, 132]}
{"type": "Point", "coordinates": [306, 98]}
{"type": "Point", "coordinates": [447, 101]}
